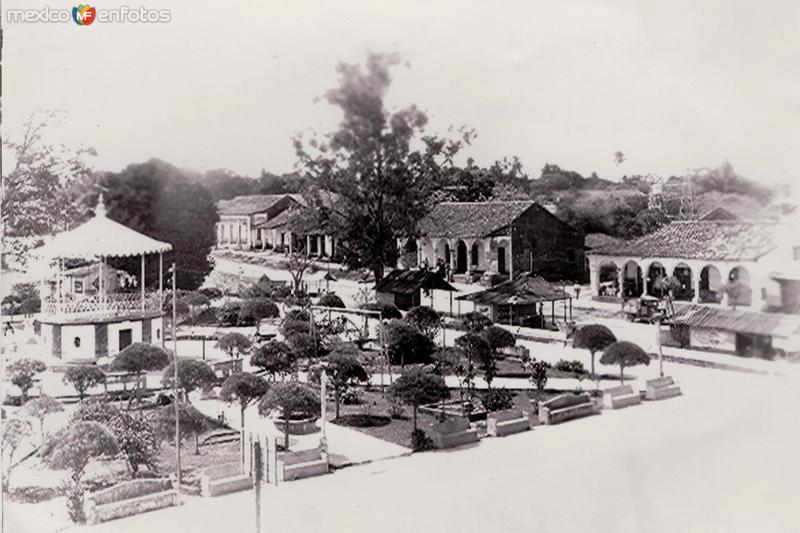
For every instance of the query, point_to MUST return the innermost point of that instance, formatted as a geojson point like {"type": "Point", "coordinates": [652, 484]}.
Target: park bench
{"type": "Point", "coordinates": [129, 498]}
{"type": "Point", "coordinates": [622, 396]}
{"type": "Point", "coordinates": [565, 407]}
{"type": "Point", "coordinates": [507, 422]}
{"type": "Point", "coordinates": [453, 432]}
{"type": "Point", "coordinates": [223, 479]}
{"type": "Point", "coordinates": [302, 464]}
{"type": "Point", "coordinates": [661, 388]}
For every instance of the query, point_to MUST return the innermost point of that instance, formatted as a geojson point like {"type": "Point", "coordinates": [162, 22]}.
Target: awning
{"type": "Point", "coordinates": [525, 290]}
{"type": "Point", "coordinates": [738, 321]}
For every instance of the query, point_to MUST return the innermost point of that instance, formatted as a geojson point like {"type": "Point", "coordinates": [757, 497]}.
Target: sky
{"type": "Point", "coordinates": [673, 85]}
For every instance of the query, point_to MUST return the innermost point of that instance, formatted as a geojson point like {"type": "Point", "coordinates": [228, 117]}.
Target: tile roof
{"type": "Point", "coordinates": [410, 281]}
{"type": "Point", "coordinates": [597, 240]}
{"type": "Point", "coordinates": [253, 203]}
{"type": "Point", "coordinates": [278, 221]}
{"type": "Point", "coordinates": [705, 240]}
{"type": "Point", "coordinates": [526, 289]}
{"type": "Point", "coordinates": [471, 219]}
{"type": "Point", "coordinates": [706, 317]}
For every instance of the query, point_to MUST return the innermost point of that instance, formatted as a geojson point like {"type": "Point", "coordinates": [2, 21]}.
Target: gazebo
{"type": "Point", "coordinates": [95, 311]}
{"type": "Point", "coordinates": [521, 301]}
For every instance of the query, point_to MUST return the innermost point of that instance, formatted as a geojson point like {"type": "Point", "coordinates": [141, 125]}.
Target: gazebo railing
{"type": "Point", "coordinates": [94, 306]}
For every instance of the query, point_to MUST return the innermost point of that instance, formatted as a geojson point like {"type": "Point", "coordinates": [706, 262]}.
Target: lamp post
{"type": "Point", "coordinates": [323, 393]}
{"type": "Point", "coordinates": [175, 387]}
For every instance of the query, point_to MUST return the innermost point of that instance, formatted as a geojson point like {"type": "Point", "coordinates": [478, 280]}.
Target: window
{"type": "Point", "coordinates": [78, 288]}
{"type": "Point", "coordinates": [77, 342]}
{"type": "Point", "coordinates": [158, 333]}
{"type": "Point", "coordinates": [475, 255]}
{"type": "Point", "coordinates": [796, 253]}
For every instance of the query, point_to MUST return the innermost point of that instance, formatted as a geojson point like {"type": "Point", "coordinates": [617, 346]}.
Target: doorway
{"type": "Point", "coordinates": [125, 338]}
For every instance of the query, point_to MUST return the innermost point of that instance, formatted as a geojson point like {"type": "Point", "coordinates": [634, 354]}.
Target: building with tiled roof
{"type": "Point", "coordinates": [240, 217]}
{"type": "Point", "coordinates": [492, 241]}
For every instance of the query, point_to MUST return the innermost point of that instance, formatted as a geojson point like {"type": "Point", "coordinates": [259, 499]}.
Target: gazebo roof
{"type": "Point", "coordinates": [101, 237]}
{"type": "Point", "coordinates": [524, 290]}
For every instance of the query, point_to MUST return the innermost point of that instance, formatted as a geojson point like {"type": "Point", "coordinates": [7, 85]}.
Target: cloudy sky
{"type": "Point", "coordinates": [674, 85]}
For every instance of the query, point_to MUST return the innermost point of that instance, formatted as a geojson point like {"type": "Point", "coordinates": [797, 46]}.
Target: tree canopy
{"type": "Point", "coordinates": [192, 375]}
{"type": "Point", "coordinates": [427, 320]}
{"type": "Point", "coordinates": [291, 398]}
{"type": "Point", "coordinates": [78, 443]}
{"type": "Point", "coordinates": [84, 377]}
{"type": "Point", "coordinates": [140, 357]}
{"type": "Point", "coordinates": [275, 357]}
{"type": "Point", "coordinates": [624, 354]}
{"type": "Point", "coordinates": [417, 387]}
{"type": "Point", "coordinates": [243, 388]}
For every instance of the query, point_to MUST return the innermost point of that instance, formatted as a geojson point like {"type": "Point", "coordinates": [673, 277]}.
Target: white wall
{"type": "Point", "coordinates": [83, 332]}
{"type": "Point", "coordinates": [157, 331]}
{"type": "Point", "coordinates": [113, 334]}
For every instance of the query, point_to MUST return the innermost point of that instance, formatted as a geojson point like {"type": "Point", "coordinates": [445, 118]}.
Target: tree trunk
{"type": "Point", "coordinates": [336, 395]}
{"type": "Point", "coordinates": [621, 375]}
{"type": "Point", "coordinates": [286, 431]}
{"type": "Point", "coordinates": [196, 444]}
{"type": "Point", "coordinates": [415, 416]}
{"type": "Point", "coordinates": [592, 365]}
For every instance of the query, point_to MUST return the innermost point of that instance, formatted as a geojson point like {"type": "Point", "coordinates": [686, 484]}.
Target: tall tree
{"type": "Point", "coordinates": [382, 183]}
{"type": "Point", "coordinates": [163, 202]}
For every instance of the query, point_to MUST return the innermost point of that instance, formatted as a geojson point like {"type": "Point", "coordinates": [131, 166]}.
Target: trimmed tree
{"type": "Point", "coordinates": [417, 387]}
{"type": "Point", "coordinates": [192, 423]}
{"type": "Point", "coordinates": [72, 449]}
{"type": "Point", "coordinates": [475, 322]}
{"type": "Point", "coordinates": [83, 378]}
{"type": "Point", "coordinates": [625, 354]}
{"type": "Point", "coordinates": [40, 407]}
{"type": "Point", "coordinates": [15, 431]}
{"type": "Point", "coordinates": [255, 310]}
{"type": "Point", "coordinates": [330, 299]}
{"type": "Point", "coordinates": [388, 311]}
{"type": "Point", "coordinates": [343, 370]}
{"type": "Point", "coordinates": [244, 389]}
{"type": "Point", "coordinates": [593, 337]}
{"type": "Point", "coordinates": [427, 320]}
{"type": "Point", "coordinates": [291, 399]}
{"type": "Point", "coordinates": [477, 349]}
{"type": "Point", "coordinates": [405, 344]}
{"type": "Point", "coordinates": [498, 337]}
{"type": "Point", "coordinates": [22, 372]}
{"type": "Point", "coordinates": [139, 358]}
{"type": "Point", "coordinates": [234, 343]}
{"type": "Point", "coordinates": [192, 375]}
{"type": "Point", "coordinates": [537, 374]}
{"type": "Point", "coordinates": [305, 345]}
{"type": "Point", "coordinates": [275, 357]}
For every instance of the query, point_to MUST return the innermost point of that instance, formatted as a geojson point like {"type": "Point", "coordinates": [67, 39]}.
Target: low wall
{"type": "Point", "coordinates": [129, 498]}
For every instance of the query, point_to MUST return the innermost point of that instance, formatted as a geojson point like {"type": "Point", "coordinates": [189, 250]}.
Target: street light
{"type": "Point", "coordinates": [323, 385]}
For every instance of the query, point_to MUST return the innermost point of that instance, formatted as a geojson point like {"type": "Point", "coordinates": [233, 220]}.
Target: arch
{"type": "Point", "coordinates": [710, 285]}
{"type": "Point", "coordinates": [632, 286]}
{"type": "Point", "coordinates": [655, 272]}
{"type": "Point", "coordinates": [738, 289]}
{"type": "Point", "coordinates": [441, 252]}
{"type": "Point", "coordinates": [461, 257]}
{"type": "Point", "coordinates": [477, 259]}
{"type": "Point", "coordinates": [502, 263]}
{"type": "Point", "coordinates": [683, 273]}
{"type": "Point", "coordinates": [608, 278]}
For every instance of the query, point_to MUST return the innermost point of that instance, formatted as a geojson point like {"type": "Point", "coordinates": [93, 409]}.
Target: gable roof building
{"type": "Point", "coordinates": [472, 219]}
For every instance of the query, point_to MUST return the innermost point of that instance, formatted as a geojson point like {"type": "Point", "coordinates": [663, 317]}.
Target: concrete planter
{"type": "Point", "coordinates": [297, 426]}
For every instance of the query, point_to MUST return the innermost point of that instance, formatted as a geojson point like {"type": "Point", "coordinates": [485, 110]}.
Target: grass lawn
{"type": "Point", "coordinates": [214, 454]}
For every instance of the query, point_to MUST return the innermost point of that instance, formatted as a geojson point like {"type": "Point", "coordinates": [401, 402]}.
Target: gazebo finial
{"type": "Point", "coordinates": [100, 208]}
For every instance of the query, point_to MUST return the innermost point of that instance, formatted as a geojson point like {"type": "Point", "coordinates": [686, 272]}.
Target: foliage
{"type": "Point", "coordinates": [299, 315]}
{"type": "Point", "coordinates": [624, 354]}
{"type": "Point", "coordinates": [192, 375]}
{"type": "Point", "coordinates": [382, 185]}
{"type": "Point", "coordinates": [427, 320]}
{"type": "Point", "coordinates": [40, 407]}
{"type": "Point", "coordinates": [74, 492]}
{"type": "Point", "coordinates": [275, 357]}
{"type": "Point", "coordinates": [228, 314]}
{"type": "Point", "coordinates": [330, 299]}
{"type": "Point", "coordinates": [405, 344]}
{"type": "Point", "coordinates": [477, 349]}
{"type": "Point", "coordinates": [37, 190]}
{"type": "Point", "coordinates": [163, 202]}
{"type": "Point", "coordinates": [78, 443]}
{"type": "Point", "coordinates": [297, 265]}
{"type": "Point", "coordinates": [306, 345]}
{"type": "Point", "coordinates": [22, 373]}
{"type": "Point", "coordinates": [420, 441]}
{"type": "Point", "coordinates": [292, 327]}
{"type": "Point", "coordinates": [574, 367]}
{"type": "Point", "coordinates": [234, 344]}
{"type": "Point", "coordinates": [291, 398]}
{"type": "Point", "coordinates": [593, 337]}
{"type": "Point", "coordinates": [498, 399]}
{"type": "Point", "coordinates": [24, 298]}
{"type": "Point", "coordinates": [140, 357]}
{"type": "Point", "coordinates": [263, 288]}
{"type": "Point", "coordinates": [254, 310]}
{"type": "Point", "coordinates": [498, 337]}
{"type": "Point", "coordinates": [212, 293]}
{"type": "Point", "coordinates": [388, 311]}
{"type": "Point", "coordinates": [136, 441]}
{"type": "Point", "coordinates": [417, 387]}
{"type": "Point", "coordinates": [537, 373]}
{"type": "Point", "coordinates": [243, 388]}
{"type": "Point", "coordinates": [93, 410]}
{"type": "Point", "coordinates": [84, 377]}
{"type": "Point", "coordinates": [476, 322]}
{"type": "Point", "coordinates": [343, 370]}
{"type": "Point", "coordinates": [15, 432]}
{"type": "Point", "coordinates": [191, 421]}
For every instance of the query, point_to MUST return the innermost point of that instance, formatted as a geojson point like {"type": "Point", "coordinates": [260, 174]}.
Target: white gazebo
{"type": "Point", "coordinates": [86, 313]}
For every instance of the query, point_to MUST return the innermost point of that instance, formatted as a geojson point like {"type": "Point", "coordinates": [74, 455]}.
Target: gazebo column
{"type": "Point", "coordinates": [161, 280]}
{"type": "Point", "coordinates": [142, 283]}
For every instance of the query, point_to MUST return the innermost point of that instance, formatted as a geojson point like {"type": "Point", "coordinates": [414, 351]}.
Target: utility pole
{"type": "Point", "coordinates": [258, 469]}
{"type": "Point", "coordinates": [175, 386]}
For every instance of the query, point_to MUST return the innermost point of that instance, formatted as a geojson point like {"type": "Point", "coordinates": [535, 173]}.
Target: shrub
{"type": "Point", "coordinates": [330, 299]}
{"type": "Point", "coordinates": [275, 357]}
{"type": "Point", "coordinates": [388, 311]}
{"type": "Point", "coordinates": [396, 409]}
{"type": "Point", "coordinates": [498, 399]}
{"type": "Point", "coordinates": [84, 377]}
{"type": "Point", "coordinates": [300, 315]}
{"type": "Point", "coordinates": [417, 387]}
{"type": "Point", "coordinates": [40, 407]}
{"type": "Point", "coordinates": [254, 310]}
{"type": "Point", "coordinates": [212, 293]}
{"type": "Point", "coordinates": [575, 367]}
{"type": "Point", "coordinates": [425, 319]}
{"type": "Point", "coordinates": [293, 327]}
{"type": "Point", "coordinates": [498, 337]}
{"type": "Point", "coordinates": [306, 346]}
{"type": "Point", "coordinates": [406, 344]}
{"type": "Point", "coordinates": [420, 441]}
{"type": "Point", "coordinates": [352, 396]}
{"type": "Point", "coordinates": [228, 314]}
{"type": "Point", "coordinates": [476, 322]}
{"type": "Point", "coordinates": [234, 344]}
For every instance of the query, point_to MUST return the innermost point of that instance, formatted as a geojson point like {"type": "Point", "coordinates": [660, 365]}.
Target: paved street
{"type": "Point", "coordinates": [721, 458]}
